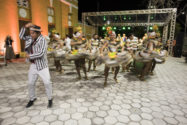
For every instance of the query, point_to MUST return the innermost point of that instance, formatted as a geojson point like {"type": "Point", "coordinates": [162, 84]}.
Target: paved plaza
{"type": "Point", "coordinates": [160, 100]}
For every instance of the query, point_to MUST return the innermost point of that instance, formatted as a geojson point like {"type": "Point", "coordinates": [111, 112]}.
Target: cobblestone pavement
{"type": "Point", "coordinates": [160, 100]}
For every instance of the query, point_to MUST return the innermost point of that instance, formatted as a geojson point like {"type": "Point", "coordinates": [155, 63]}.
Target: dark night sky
{"type": "Point", "coordinates": [115, 5]}
{"type": "Point", "coordinates": [110, 5]}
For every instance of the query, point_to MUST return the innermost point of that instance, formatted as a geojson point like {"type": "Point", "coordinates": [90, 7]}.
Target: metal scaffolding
{"type": "Point", "coordinates": [163, 17]}
{"type": "Point", "coordinates": [172, 29]}
{"type": "Point", "coordinates": [130, 12]}
{"type": "Point", "coordinates": [165, 33]}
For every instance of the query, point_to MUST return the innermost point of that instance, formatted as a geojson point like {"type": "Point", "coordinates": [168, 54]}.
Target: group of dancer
{"type": "Point", "coordinates": [114, 51]}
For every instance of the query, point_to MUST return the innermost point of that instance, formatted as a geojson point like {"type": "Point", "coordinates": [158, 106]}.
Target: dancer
{"type": "Point", "coordinates": [93, 48]}
{"type": "Point", "coordinates": [78, 47]}
{"type": "Point", "coordinates": [36, 47]}
{"type": "Point", "coordinates": [111, 57]}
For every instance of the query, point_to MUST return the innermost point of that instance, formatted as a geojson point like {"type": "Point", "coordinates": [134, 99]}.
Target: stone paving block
{"type": "Point", "coordinates": [181, 119]}
{"type": "Point", "coordinates": [45, 112]}
{"type": "Point", "coordinates": [77, 116]}
{"type": "Point", "coordinates": [28, 124]}
{"type": "Point", "coordinates": [64, 117]}
{"type": "Point", "coordinates": [86, 104]}
{"type": "Point", "coordinates": [113, 113]}
{"type": "Point", "coordinates": [18, 108]}
{"type": "Point", "coordinates": [94, 108]}
{"type": "Point", "coordinates": [5, 109]}
{"type": "Point", "coordinates": [82, 109]}
{"type": "Point", "coordinates": [158, 115]}
{"type": "Point", "coordinates": [168, 113]}
{"type": "Point", "coordinates": [101, 113]}
{"type": "Point", "coordinates": [58, 111]}
{"type": "Point", "coordinates": [50, 118]}
{"type": "Point", "coordinates": [146, 104]}
{"type": "Point", "coordinates": [8, 121]}
{"type": "Point", "coordinates": [80, 100]}
{"type": "Point", "coordinates": [89, 114]}
{"type": "Point", "coordinates": [98, 121]}
{"type": "Point", "coordinates": [65, 105]}
{"type": "Point", "coordinates": [84, 121]}
{"type": "Point", "coordinates": [71, 122]}
{"type": "Point", "coordinates": [124, 112]}
{"type": "Point", "coordinates": [133, 123]}
{"type": "Point", "coordinates": [115, 107]}
{"type": "Point", "coordinates": [146, 110]}
{"type": "Point", "coordinates": [177, 112]}
{"type": "Point", "coordinates": [57, 123]}
{"type": "Point", "coordinates": [20, 114]}
{"type": "Point", "coordinates": [136, 105]}
{"type": "Point", "coordinates": [6, 115]}
{"type": "Point", "coordinates": [42, 123]}
{"type": "Point", "coordinates": [147, 116]}
{"type": "Point", "coordinates": [70, 110]}
{"type": "Point", "coordinates": [159, 122]}
{"type": "Point", "coordinates": [76, 104]}
{"type": "Point", "coordinates": [23, 120]}
{"type": "Point", "coordinates": [119, 102]}
{"type": "Point", "coordinates": [123, 119]}
{"type": "Point", "coordinates": [126, 106]}
{"type": "Point", "coordinates": [171, 120]}
{"type": "Point", "coordinates": [97, 103]}
{"type": "Point", "coordinates": [37, 119]}
{"type": "Point", "coordinates": [119, 123]}
{"type": "Point", "coordinates": [146, 122]}
{"type": "Point", "coordinates": [135, 117]}
{"type": "Point", "coordinates": [110, 120]}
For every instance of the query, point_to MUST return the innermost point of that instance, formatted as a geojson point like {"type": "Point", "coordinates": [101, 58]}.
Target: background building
{"type": "Point", "coordinates": [61, 15]}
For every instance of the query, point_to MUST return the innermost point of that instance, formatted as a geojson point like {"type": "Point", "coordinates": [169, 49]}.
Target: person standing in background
{"type": "Point", "coordinates": [9, 53]}
{"type": "Point", "coordinates": [174, 48]}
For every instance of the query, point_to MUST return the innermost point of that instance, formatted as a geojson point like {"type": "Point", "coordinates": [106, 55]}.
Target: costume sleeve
{"type": "Point", "coordinates": [27, 39]}
{"type": "Point", "coordinates": [41, 51]}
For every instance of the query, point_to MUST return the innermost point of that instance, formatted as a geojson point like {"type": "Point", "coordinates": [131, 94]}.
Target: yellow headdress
{"type": "Point", "coordinates": [53, 31]}
{"type": "Point", "coordinates": [155, 28]}
{"type": "Point", "coordinates": [78, 29]}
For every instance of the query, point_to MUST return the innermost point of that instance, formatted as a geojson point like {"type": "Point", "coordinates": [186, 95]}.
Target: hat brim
{"type": "Point", "coordinates": [34, 29]}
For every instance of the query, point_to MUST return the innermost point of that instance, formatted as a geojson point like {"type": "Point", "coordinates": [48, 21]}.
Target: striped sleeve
{"type": "Point", "coordinates": [22, 33]}
{"type": "Point", "coordinates": [28, 39]}
{"type": "Point", "coordinates": [28, 42]}
{"type": "Point", "coordinates": [41, 51]}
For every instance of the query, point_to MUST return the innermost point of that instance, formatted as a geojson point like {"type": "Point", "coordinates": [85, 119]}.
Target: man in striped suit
{"type": "Point", "coordinates": [36, 48]}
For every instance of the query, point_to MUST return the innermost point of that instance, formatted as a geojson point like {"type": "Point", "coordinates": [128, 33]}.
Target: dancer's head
{"type": "Point", "coordinates": [35, 32]}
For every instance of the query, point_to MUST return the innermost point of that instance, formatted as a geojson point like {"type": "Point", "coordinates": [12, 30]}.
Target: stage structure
{"type": "Point", "coordinates": [165, 18]}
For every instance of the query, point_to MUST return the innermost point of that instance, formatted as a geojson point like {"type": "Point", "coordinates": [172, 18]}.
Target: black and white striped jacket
{"type": "Point", "coordinates": [39, 54]}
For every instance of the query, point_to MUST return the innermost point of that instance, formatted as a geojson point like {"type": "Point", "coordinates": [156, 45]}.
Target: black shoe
{"type": "Point", "coordinates": [30, 103]}
{"type": "Point", "coordinates": [50, 103]}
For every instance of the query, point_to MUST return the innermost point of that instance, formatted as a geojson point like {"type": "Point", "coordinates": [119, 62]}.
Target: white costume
{"type": "Point", "coordinates": [68, 43]}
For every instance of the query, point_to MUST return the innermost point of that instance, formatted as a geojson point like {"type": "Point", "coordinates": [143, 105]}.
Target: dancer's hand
{"type": "Point", "coordinates": [27, 56]}
{"type": "Point", "coordinates": [28, 25]}
{"type": "Point", "coordinates": [101, 54]}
